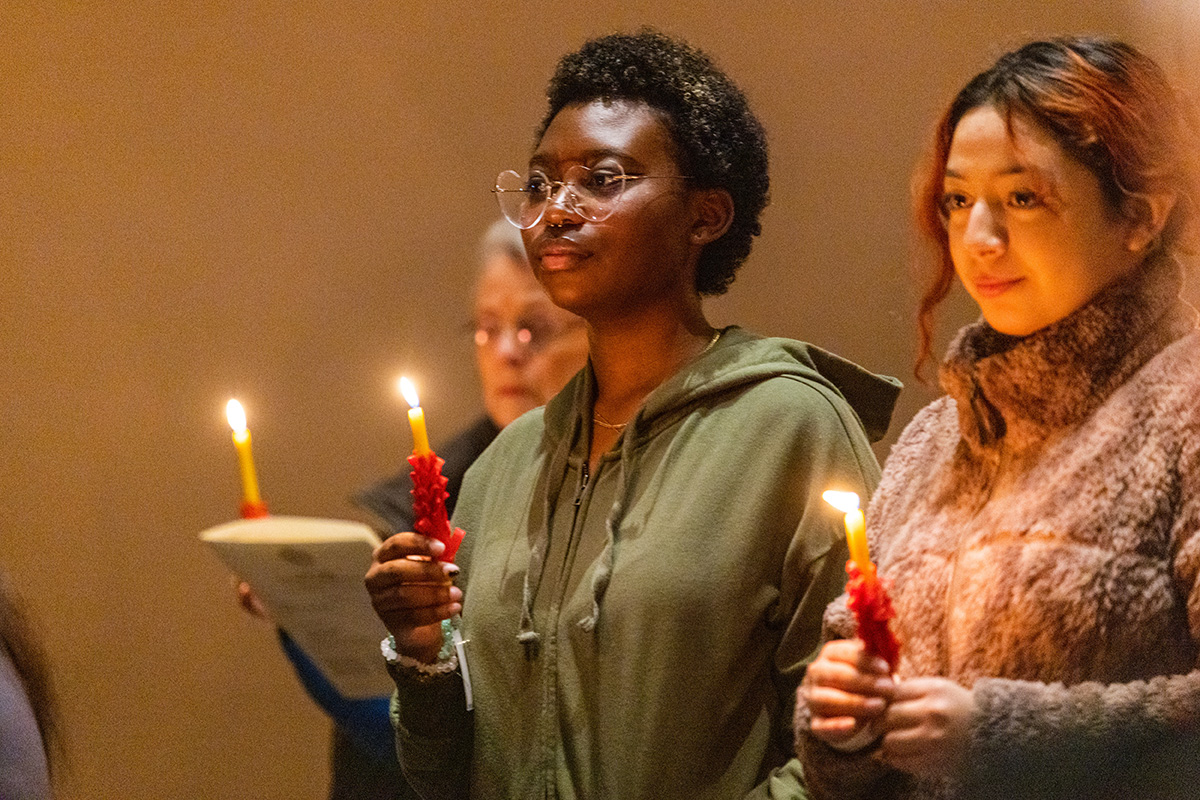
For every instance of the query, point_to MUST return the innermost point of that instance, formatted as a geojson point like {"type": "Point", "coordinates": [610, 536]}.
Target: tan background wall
{"type": "Point", "coordinates": [280, 201]}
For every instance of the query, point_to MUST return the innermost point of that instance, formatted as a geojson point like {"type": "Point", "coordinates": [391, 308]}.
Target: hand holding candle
{"type": "Point", "coordinates": [429, 485]}
{"type": "Point", "coordinates": [867, 597]}
{"type": "Point", "coordinates": [252, 502]}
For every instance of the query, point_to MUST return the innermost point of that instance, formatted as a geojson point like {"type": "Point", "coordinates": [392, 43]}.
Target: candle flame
{"type": "Point", "coordinates": [236, 416]}
{"type": "Point", "coordinates": [842, 501]}
{"type": "Point", "coordinates": [410, 392]}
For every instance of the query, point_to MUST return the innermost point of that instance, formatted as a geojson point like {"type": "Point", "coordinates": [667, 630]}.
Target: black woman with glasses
{"type": "Point", "coordinates": [647, 556]}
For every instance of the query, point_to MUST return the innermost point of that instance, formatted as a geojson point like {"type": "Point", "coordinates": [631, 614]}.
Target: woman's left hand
{"type": "Point", "coordinates": [927, 726]}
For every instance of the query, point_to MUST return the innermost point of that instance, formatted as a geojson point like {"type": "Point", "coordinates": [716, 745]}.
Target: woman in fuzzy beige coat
{"type": "Point", "coordinates": [1040, 524]}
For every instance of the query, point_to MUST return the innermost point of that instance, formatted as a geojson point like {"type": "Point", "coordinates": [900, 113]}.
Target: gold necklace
{"type": "Point", "coordinates": [603, 423]}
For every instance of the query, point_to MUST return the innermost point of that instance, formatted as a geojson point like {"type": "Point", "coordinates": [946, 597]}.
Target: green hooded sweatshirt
{"type": "Point", "coordinates": [639, 632]}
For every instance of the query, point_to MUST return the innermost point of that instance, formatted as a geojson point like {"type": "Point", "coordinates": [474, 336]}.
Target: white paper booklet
{"type": "Point", "coordinates": [308, 573]}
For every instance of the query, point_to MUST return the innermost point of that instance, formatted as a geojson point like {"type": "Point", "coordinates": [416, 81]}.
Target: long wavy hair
{"type": "Point", "coordinates": [1109, 106]}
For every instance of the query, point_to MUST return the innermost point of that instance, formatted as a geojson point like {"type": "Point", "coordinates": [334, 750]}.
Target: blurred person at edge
{"type": "Point", "coordinates": [526, 349]}
{"type": "Point", "coordinates": [1040, 524]}
{"type": "Point", "coordinates": [30, 732]}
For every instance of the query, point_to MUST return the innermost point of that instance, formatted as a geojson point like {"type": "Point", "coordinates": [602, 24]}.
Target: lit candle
{"type": "Point", "coordinates": [856, 528]}
{"type": "Point", "coordinates": [866, 595]}
{"type": "Point", "coordinates": [429, 484]}
{"type": "Point", "coordinates": [241, 440]}
{"type": "Point", "coordinates": [416, 417]}
{"type": "Point", "coordinates": [252, 504]}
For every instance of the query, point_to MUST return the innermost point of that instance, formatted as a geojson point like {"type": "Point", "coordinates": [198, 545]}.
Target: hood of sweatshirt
{"type": "Point", "coordinates": [737, 360]}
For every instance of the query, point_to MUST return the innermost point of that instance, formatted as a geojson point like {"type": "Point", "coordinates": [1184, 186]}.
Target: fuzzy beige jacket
{"type": "Point", "coordinates": [1041, 529]}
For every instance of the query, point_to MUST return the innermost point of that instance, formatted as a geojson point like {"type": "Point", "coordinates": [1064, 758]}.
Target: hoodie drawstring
{"type": "Point", "coordinates": [605, 563]}
{"type": "Point", "coordinates": [529, 638]}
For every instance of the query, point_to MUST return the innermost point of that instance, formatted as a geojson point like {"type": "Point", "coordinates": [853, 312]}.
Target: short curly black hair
{"type": "Point", "coordinates": [719, 141]}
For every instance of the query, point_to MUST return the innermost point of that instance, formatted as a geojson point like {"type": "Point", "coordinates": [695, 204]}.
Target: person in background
{"type": "Point", "coordinates": [1040, 524]}
{"type": "Point", "coordinates": [526, 349]}
{"type": "Point", "coordinates": [647, 558]}
{"type": "Point", "coordinates": [30, 732]}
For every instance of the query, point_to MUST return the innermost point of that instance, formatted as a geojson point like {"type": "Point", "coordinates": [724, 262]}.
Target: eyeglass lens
{"type": "Point", "coordinates": [531, 335]}
{"type": "Point", "coordinates": [590, 193]}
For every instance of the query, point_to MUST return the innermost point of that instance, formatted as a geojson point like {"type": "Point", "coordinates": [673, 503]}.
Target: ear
{"type": "Point", "coordinates": [1148, 214]}
{"type": "Point", "coordinates": [713, 215]}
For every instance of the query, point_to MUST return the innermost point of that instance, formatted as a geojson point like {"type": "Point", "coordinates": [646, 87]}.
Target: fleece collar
{"type": "Point", "coordinates": [1025, 388]}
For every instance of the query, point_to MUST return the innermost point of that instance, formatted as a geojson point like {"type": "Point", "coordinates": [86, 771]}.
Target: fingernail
{"type": "Point", "coordinates": [456, 594]}
{"type": "Point", "coordinates": [450, 569]}
{"type": "Point", "coordinates": [436, 547]}
{"type": "Point", "coordinates": [874, 704]}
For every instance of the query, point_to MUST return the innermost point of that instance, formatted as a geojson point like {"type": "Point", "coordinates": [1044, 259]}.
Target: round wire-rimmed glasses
{"type": "Point", "coordinates": [590, 193]}
{"type": "Point", "coordinates": [529, 335]}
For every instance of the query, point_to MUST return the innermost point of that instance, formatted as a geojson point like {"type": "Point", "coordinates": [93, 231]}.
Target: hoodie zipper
{"type": "Point", "coordinates": [550, 736]}
{"type": "Point", "coordinates": [584, 475]}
